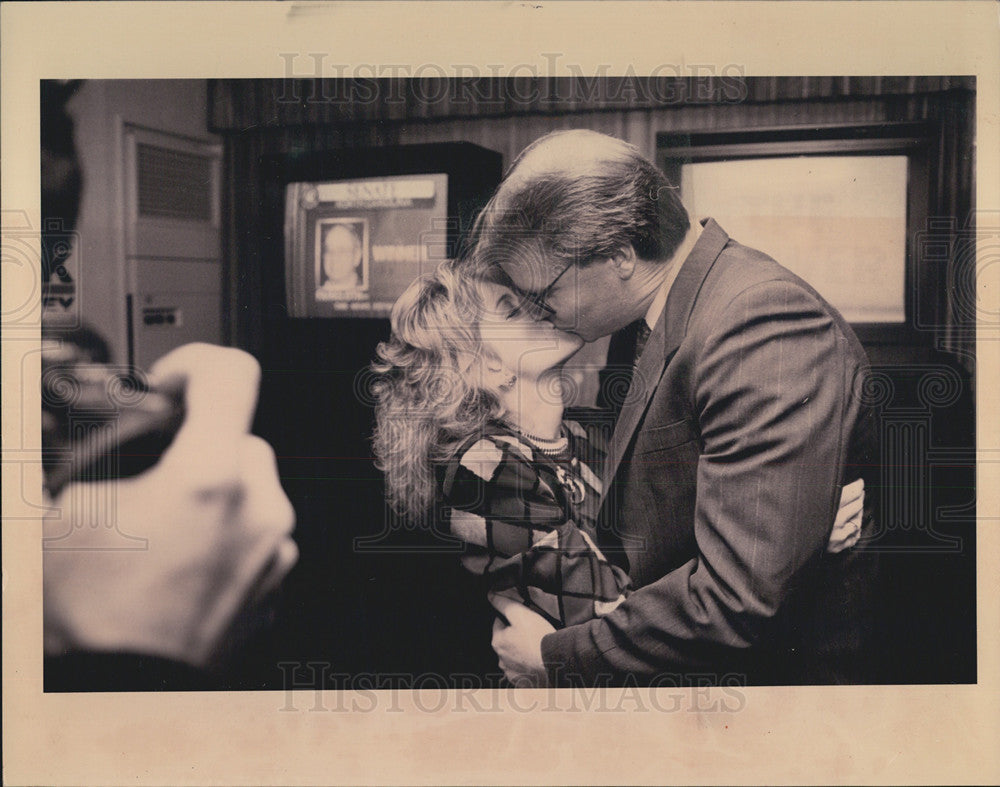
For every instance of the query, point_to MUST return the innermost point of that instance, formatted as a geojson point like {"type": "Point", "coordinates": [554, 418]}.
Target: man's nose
{"type": "Point", "coordinates": [564, 318]}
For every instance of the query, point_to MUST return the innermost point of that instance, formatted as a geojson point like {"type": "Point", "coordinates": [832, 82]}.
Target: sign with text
{"type": "Point", "coordinates": [353, 246]}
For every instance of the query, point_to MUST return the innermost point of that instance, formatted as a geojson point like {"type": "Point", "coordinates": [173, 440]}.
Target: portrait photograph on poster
{"type": "Point", "coordinates": [341, 258]}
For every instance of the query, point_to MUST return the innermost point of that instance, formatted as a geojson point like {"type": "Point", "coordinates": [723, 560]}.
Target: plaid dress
{"type": "Point", "coordinates": [527, 517]}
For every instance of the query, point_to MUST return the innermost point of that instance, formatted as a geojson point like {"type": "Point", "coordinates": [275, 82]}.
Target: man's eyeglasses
{"type": "Point", "coordinates": [535, 303]}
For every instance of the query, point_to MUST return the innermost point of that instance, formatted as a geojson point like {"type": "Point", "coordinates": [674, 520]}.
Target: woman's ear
{"type": "Point", "coordinates": [623, 262]}
{"type": "Point", "coordinates": [495, 374]}
{"type": "Point", "coordinates": [480, 370]}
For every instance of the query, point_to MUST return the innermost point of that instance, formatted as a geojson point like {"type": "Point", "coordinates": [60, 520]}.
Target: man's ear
{"type": "Point", "coordinates": [623, 262]}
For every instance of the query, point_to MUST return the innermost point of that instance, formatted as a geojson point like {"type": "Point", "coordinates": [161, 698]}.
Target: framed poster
{"type": "Point", "coordinates": [353, 246]}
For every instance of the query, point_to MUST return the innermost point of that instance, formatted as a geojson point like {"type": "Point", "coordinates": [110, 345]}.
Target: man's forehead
{"type": "Point", "coordinates": [496, 275]}
{"type": "Point", "coordinates": [526, 274]}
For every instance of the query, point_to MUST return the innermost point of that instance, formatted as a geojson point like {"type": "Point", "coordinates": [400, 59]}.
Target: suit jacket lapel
{"type": "Point", "coordinates": [664, 341]}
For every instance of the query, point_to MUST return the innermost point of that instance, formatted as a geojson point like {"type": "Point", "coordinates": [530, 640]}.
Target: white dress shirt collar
{"type": "Point", "coordinates": [660, 299]}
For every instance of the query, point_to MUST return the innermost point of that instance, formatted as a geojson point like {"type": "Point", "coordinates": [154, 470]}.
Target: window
{"type": "Point", "coordinates": [837, 205]}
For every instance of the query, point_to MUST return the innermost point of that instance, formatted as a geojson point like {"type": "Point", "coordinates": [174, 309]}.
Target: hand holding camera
{"type": "Point", "coordinates": [209, 516]}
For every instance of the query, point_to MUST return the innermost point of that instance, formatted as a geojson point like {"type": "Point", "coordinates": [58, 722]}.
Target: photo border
{"type": "Point", "coordinates": [856, 734]}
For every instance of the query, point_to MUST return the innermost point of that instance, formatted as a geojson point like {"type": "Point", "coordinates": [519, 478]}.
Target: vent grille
{"type": "Point", "coordinates": [174, 184]}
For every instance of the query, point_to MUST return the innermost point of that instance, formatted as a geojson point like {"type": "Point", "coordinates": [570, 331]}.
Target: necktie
{"type": "Point", "coordinates": [623, 354]}
{"type": "Point", "coordinates": [641, 337]}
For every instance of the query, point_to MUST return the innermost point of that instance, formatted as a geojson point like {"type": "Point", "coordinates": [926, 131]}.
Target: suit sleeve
{"type": "Point", "coordinates": [519, 538]}
{"type": "Point", "coordinates": [774, 414]}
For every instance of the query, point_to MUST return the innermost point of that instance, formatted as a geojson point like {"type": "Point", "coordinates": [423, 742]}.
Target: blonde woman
{"type": "Point", "coordinates": [470, 417]}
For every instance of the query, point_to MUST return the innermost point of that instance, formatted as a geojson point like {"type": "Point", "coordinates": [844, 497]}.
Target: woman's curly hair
{"type": "Point", "coordinates": [430, 390]}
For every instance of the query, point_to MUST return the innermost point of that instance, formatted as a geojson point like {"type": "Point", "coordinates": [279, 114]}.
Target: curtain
{"type": "Point", "coordinates": [285, 116]}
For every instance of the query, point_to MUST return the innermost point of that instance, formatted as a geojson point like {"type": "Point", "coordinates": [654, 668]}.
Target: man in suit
{"type": "Point", "coordinates": [743, 423]}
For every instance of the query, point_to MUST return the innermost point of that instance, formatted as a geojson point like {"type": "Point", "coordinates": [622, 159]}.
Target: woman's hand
{"type": "Point", "coordinates": [847, 525]}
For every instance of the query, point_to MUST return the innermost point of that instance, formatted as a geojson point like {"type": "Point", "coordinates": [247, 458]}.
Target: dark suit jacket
{"type": "Point", "coordinates": [724, 474]}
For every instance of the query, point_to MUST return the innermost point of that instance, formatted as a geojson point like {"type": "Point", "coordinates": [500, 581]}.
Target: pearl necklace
{"type": "Point", "coordinates": [546, 445]}
{"type": "Point", "coordinates": [573, 486]}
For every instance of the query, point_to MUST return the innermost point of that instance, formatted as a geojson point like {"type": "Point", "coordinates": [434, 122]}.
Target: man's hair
{"type": "Point", "coordinates": [579, 196]}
